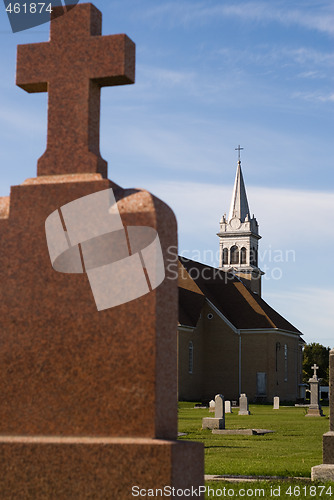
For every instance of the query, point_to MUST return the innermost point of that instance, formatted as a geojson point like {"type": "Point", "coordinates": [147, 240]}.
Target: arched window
{"type": "Point", "coordinates": [243, 256]}
{"type": "Point", "coordinates": [190, 357]}
{"type": "Point", "coordinates": [234, 255]}
{"type": "Point", "coordinates": [225, 256]}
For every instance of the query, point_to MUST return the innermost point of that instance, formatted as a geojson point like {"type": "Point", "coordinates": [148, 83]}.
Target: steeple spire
{"type": "Point", "coordinates": [239, 237]}
{"type": "Point", "coordinates": [239, 205]}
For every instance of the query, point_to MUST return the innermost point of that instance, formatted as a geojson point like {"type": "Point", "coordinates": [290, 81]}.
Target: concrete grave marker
{"type": "Point", "coordinates": [276, 403]}
{"type": "Point", "coordinates": [228, 408]}
{"type": "Point", "coordinates": [218, 422]}
{"type": "Point", "coordinates": [212, 406]}
{"type": "Point", "coordinates": [243, 405]}
{"type": "Point", "coordinates": [314, 409]}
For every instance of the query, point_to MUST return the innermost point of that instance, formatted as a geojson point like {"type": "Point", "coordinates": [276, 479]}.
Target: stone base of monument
{"type": "Point", "coordinates": [73, 467]}
{"type": "Point", "coordinates": [242, 432]}
{"type": "Point", "coordinates": [315, 412]}
{"type": "Point", "coordinates": [244, 412]}
{"type": "Point", "coordinates": [323, 472]}
{"type": "Point", "coordinates": [213, 423]}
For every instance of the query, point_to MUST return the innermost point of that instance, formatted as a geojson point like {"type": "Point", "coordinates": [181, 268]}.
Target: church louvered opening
{"type": "Point", "coordinates": [234, 255]}
{"type": "Point", "coordinates": [225, 256]}
{"type": "Point", "coordinates": [243, 256]}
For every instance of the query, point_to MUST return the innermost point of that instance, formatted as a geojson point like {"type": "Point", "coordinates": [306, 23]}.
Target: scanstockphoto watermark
{"type": "Point", "coordinates": [271, 261]}
{"type": "Point", "coordinates": [199, 491]}
{"type": "Point", "coordinates": [26, 14]}
{"type": "Point", "coordinates": [268, 255]}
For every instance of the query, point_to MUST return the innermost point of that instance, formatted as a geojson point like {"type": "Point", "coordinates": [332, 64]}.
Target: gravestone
{"type": "Point", "coordinates": [218, 422]}
{"type": "Point", "coordinates": [325, 471]}
{"type": "Point", "coordinates": [212, 406]}
{"type": "Point", "coordinates": [314, 409]}
{"type": "Point", "coordinates": [276, 403]}
{"type": "Point", "coordinates": [243, 405]}
{"type": "Point", "coordinates": [228, 408]}
{"type": "Point", "coordinates": [68, 370]}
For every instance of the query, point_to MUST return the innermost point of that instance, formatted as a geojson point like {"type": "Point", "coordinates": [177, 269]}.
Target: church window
{"type": "Point", "coordinates": [285, 363]}
{"type": "Point", "coordinates": [253, 256]}
{"type": "Point", "coordinates": [210, 316]}
{"type": "Point", "coordinates": [225, 256]}
{"type": "Point", "coordinates": [243, 256]}
{"type": "Point", "coordinates": [234, 255]}
{"type": "Point", "coordinates": [190, 357]}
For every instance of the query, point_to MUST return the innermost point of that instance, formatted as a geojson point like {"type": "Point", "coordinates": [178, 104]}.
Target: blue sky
{"type": "Point", "coordinates": [211, 75]}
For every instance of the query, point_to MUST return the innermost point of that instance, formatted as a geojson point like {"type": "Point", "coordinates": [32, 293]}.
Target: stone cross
{"type": "Point", "coordinates": [72, 67]}
{"type": "Point", "coordinates": [315, 368]}
{"type": "Point", "coordinates": [68, 371]}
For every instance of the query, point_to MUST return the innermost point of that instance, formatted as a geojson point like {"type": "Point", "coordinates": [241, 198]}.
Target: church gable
{"type": "Point", "coordinates": [241, 307]}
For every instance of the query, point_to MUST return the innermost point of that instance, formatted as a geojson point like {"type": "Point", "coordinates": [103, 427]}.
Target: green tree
{"type": "Point", "coordinates": [318, 354]}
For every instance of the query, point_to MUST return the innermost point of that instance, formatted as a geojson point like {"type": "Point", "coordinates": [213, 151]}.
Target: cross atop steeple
{"type": "Point", "coordinates": [72, 67]}
{"type": "Point", "coordinates": [238, 149]}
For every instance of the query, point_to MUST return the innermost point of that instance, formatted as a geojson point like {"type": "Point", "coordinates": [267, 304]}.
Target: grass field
{"type": "Point", "coordinates": [294, 447]}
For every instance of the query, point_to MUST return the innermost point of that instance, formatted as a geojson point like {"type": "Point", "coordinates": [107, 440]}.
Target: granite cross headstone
{"type": "Point", "coordinates": [67, 370]}
{"type": "Point", "coordinates": [314, 409]}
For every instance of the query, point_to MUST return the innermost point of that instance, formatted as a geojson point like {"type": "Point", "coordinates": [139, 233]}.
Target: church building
{"type": "Point", "coordinates": [230, 341]}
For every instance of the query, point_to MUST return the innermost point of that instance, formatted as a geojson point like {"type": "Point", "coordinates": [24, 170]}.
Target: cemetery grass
{"type": "Point", "coordinates": [291, 451]}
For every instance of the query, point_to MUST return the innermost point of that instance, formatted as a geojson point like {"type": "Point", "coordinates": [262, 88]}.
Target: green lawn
{"type": "Point", "coordinates": [291, 451]}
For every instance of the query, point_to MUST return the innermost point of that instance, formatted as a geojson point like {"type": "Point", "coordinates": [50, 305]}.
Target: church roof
{"type": "Point", "coordinates": [239, 204]}
{"type": "Point", "coordinates": [190, 307]}
{"type": "Point", "coordinates": [240, 306]}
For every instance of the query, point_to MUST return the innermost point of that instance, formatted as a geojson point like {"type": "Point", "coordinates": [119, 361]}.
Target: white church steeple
{"type": "Point", "coordinates": [239, 205]}
{"type": "Point", "coordinates": [239, 237]}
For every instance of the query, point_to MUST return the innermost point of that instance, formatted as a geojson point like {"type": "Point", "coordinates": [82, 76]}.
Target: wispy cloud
{"type": "Point", "coordinates": [314, 97]}
{"type": "Point", "coordinates": [317, 324]}
{"type": "Point", "coordinates": [320, 20]}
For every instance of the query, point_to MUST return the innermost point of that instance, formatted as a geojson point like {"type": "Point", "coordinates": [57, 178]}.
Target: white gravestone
{"type": "Point", "coordinates": [218, 422]}
{"type": "Point", "coordinates": [243, 405]}
{"type": "Point", "coordinates": [276, 403]}
{"type": "Point", "coordinates": [212, 405]}
{"type": "Point", "coordinates": [228, 408]}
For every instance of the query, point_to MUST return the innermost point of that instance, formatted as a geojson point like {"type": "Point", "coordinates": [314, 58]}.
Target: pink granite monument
{"type": "Point", "coordinates": [88, 397]}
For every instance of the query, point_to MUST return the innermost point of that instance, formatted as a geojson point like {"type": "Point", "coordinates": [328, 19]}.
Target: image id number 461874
{"type": "Point", "coordinates": [29, 8]}
{"type": "Point", "coordinates": [316, 491]}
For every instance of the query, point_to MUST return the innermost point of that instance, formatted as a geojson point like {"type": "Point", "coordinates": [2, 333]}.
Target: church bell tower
{"type": "Point", "coordinates": [239, 238]}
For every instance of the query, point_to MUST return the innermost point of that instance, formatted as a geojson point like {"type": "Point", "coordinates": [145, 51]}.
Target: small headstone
{"type": "Point", "coordinates": [243, 405]}
{"type": "Point", "coordinates": [219, 406]}
{"type": "Point", "coordinates": [212, 405]}
{"type": "Point", "coordinates": [314, 408]}
{"type": "Point", "coordinates": [276, 403]}
{"type": "Point", "coordinates": [228, 408]}
{"type": "Point", "coordinates": [218, 422]}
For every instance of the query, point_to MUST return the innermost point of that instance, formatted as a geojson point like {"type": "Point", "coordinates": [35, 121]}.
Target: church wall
{"type": "Point", "coordinates": [220, 357]}
{"type": "Point", "coordinates": [276, 355]}
{"type": "Point", "coordinates": [190, 384]}
{"type": "Point", "coordinates": [254, 359]}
